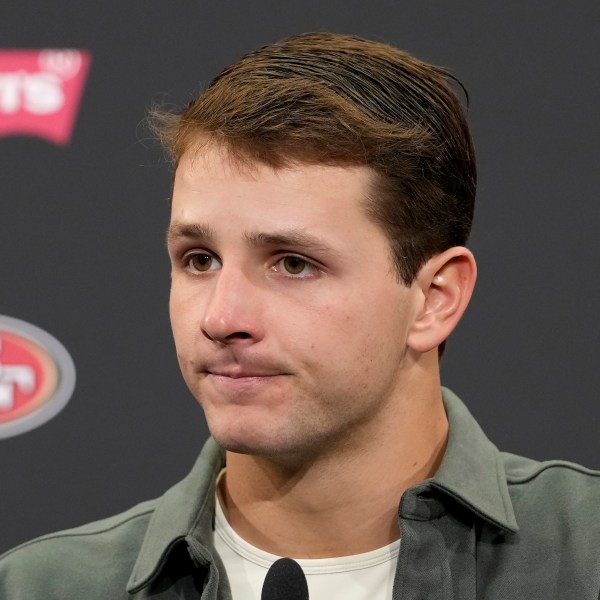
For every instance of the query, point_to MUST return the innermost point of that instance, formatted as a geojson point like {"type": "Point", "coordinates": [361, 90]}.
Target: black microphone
{"type": "Point", "coordinates": [285, 580]}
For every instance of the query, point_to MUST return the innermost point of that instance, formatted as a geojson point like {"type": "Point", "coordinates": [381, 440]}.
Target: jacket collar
{"type": "Point", "coordinates": [187, 509]}
{"type": "Point", "coordinates": [472, 470]}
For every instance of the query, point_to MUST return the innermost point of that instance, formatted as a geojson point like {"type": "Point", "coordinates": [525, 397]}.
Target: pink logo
{"type": "Point", "coordinates": [40, 92]}
{"type": "Point", "coordinates": [37, 376]}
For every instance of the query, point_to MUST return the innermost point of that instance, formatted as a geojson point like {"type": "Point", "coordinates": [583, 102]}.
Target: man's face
{"type": "Point", "coordinates": [289, 320]}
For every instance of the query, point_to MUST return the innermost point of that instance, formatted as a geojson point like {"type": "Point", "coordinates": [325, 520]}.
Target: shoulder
{"type": "Point", "coordinates": [68, 564]}
{"type": "Point", "coordinates": [559, 475]}
{"type": "Point", "coordinates": [560, 490]}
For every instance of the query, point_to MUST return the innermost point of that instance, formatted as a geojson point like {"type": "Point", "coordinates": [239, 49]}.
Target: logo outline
{"type": "Point", "coordinates": [65, 385]}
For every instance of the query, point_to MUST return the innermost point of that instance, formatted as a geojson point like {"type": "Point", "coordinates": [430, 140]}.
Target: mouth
{"type": "Point", "coordinates": [236, 367]}
{"type": "Point", "coordinates": [241, 373]}
{"type": "Point", "coordinates": [238, 381]}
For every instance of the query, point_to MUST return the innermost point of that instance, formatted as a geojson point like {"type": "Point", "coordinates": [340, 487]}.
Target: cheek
{"type": "Point", "coordinates": [329, 330]}
{"type": "Point", "coordinates": [184, 323]}
{"type": "Point", "coordinates": [176, 319]}
{"type": "Point", "coordinates": [370, 326]}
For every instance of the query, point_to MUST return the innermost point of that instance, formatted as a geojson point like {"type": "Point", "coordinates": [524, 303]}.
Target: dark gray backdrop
{"type": "Point", "coordinates": [81, 231]}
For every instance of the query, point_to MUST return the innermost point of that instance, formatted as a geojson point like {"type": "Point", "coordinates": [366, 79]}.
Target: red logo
{"type": "Point", "coordinates": [40, 92]}
{"type": "Point", "coordinates": [37, 376]}
{"type": "Point", "coordinates": [28, 376]}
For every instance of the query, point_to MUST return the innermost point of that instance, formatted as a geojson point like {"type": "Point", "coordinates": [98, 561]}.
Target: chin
{"type": "Point", "coordinates": [255, 443]}
{"type": "Point", "coordinates": [238, 437]}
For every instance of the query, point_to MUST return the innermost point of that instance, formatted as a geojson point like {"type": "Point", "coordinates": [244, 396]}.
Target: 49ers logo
{"type": "Point", "coordinates": [40, 92]}
{"type": "Point", "coordinates": [37, 376]}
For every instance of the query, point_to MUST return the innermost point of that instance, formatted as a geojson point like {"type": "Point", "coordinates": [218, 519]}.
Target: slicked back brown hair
{"type": "Point", "coordinates": [323, 98]}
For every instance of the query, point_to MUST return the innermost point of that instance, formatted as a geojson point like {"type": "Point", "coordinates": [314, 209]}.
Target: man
{"type": "Point", "coordinates": [322, 199]}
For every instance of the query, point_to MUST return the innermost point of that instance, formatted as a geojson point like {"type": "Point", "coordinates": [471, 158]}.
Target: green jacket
{"type": "Point", "coordinates": [488, 525]}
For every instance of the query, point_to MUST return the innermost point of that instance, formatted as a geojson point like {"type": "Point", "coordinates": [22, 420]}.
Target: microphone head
{"type": "Point", "coordinates": [285, 580]}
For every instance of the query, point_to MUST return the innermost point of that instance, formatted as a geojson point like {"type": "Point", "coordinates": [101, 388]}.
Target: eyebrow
{"type": "Point", "coordinates": [290, 238]}
{"type": "Point", "coordinates": [195, 231]}
{"type": "Point", "coordinates": [294, 238]}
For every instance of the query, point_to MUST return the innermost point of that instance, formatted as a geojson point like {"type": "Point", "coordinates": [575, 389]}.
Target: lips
{"type": "Point", "coordinates": [239, 382]}
{"type": "Point", "coordinates": [240, 373]}
{"type": "Point", "coordinates": [236, 377]}
{"type": "Point", "coordinates": [236, 367]}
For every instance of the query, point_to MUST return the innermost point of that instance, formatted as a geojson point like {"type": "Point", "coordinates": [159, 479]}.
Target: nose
{"type": "Point", "coordinates": [232, 313]}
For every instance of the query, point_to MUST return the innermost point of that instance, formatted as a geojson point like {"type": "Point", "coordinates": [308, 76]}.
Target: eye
{"type": "Point", "coordinates": [295, 266]}
{"type": "Point", "coordinates": [201, 262]}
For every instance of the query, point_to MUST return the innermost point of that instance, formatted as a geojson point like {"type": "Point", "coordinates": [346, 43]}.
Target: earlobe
{"type": "Point", "coordinates": [445, 285]}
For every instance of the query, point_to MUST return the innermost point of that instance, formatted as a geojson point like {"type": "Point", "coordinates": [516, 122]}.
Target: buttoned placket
{"type": "Point", "coordinates": [437, 552]}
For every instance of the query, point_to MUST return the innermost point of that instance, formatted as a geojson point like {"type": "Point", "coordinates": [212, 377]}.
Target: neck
{"type": "Point", "coordinates": [304, 509]}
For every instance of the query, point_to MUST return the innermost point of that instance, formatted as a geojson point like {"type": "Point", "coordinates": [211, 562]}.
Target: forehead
{"type": "Point", "coordinates": [212, 160]}
{"type": "Point", "coordinates": [256, 203]}
{"type": "Point", "coordinates": [212, 177]}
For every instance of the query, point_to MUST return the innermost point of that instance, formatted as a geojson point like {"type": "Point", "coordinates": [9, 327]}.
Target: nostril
{"type": "Point", "coordinates": [242, 335]}
{"type": "Point", "coordinates": [226, 338]}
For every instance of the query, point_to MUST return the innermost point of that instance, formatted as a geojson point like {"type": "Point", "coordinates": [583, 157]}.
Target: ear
{"type": "Point", "coordinates": [444, 285]}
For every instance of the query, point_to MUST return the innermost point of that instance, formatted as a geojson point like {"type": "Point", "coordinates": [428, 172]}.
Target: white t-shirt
{"type": "Point", "coordinates": [367, 576]}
